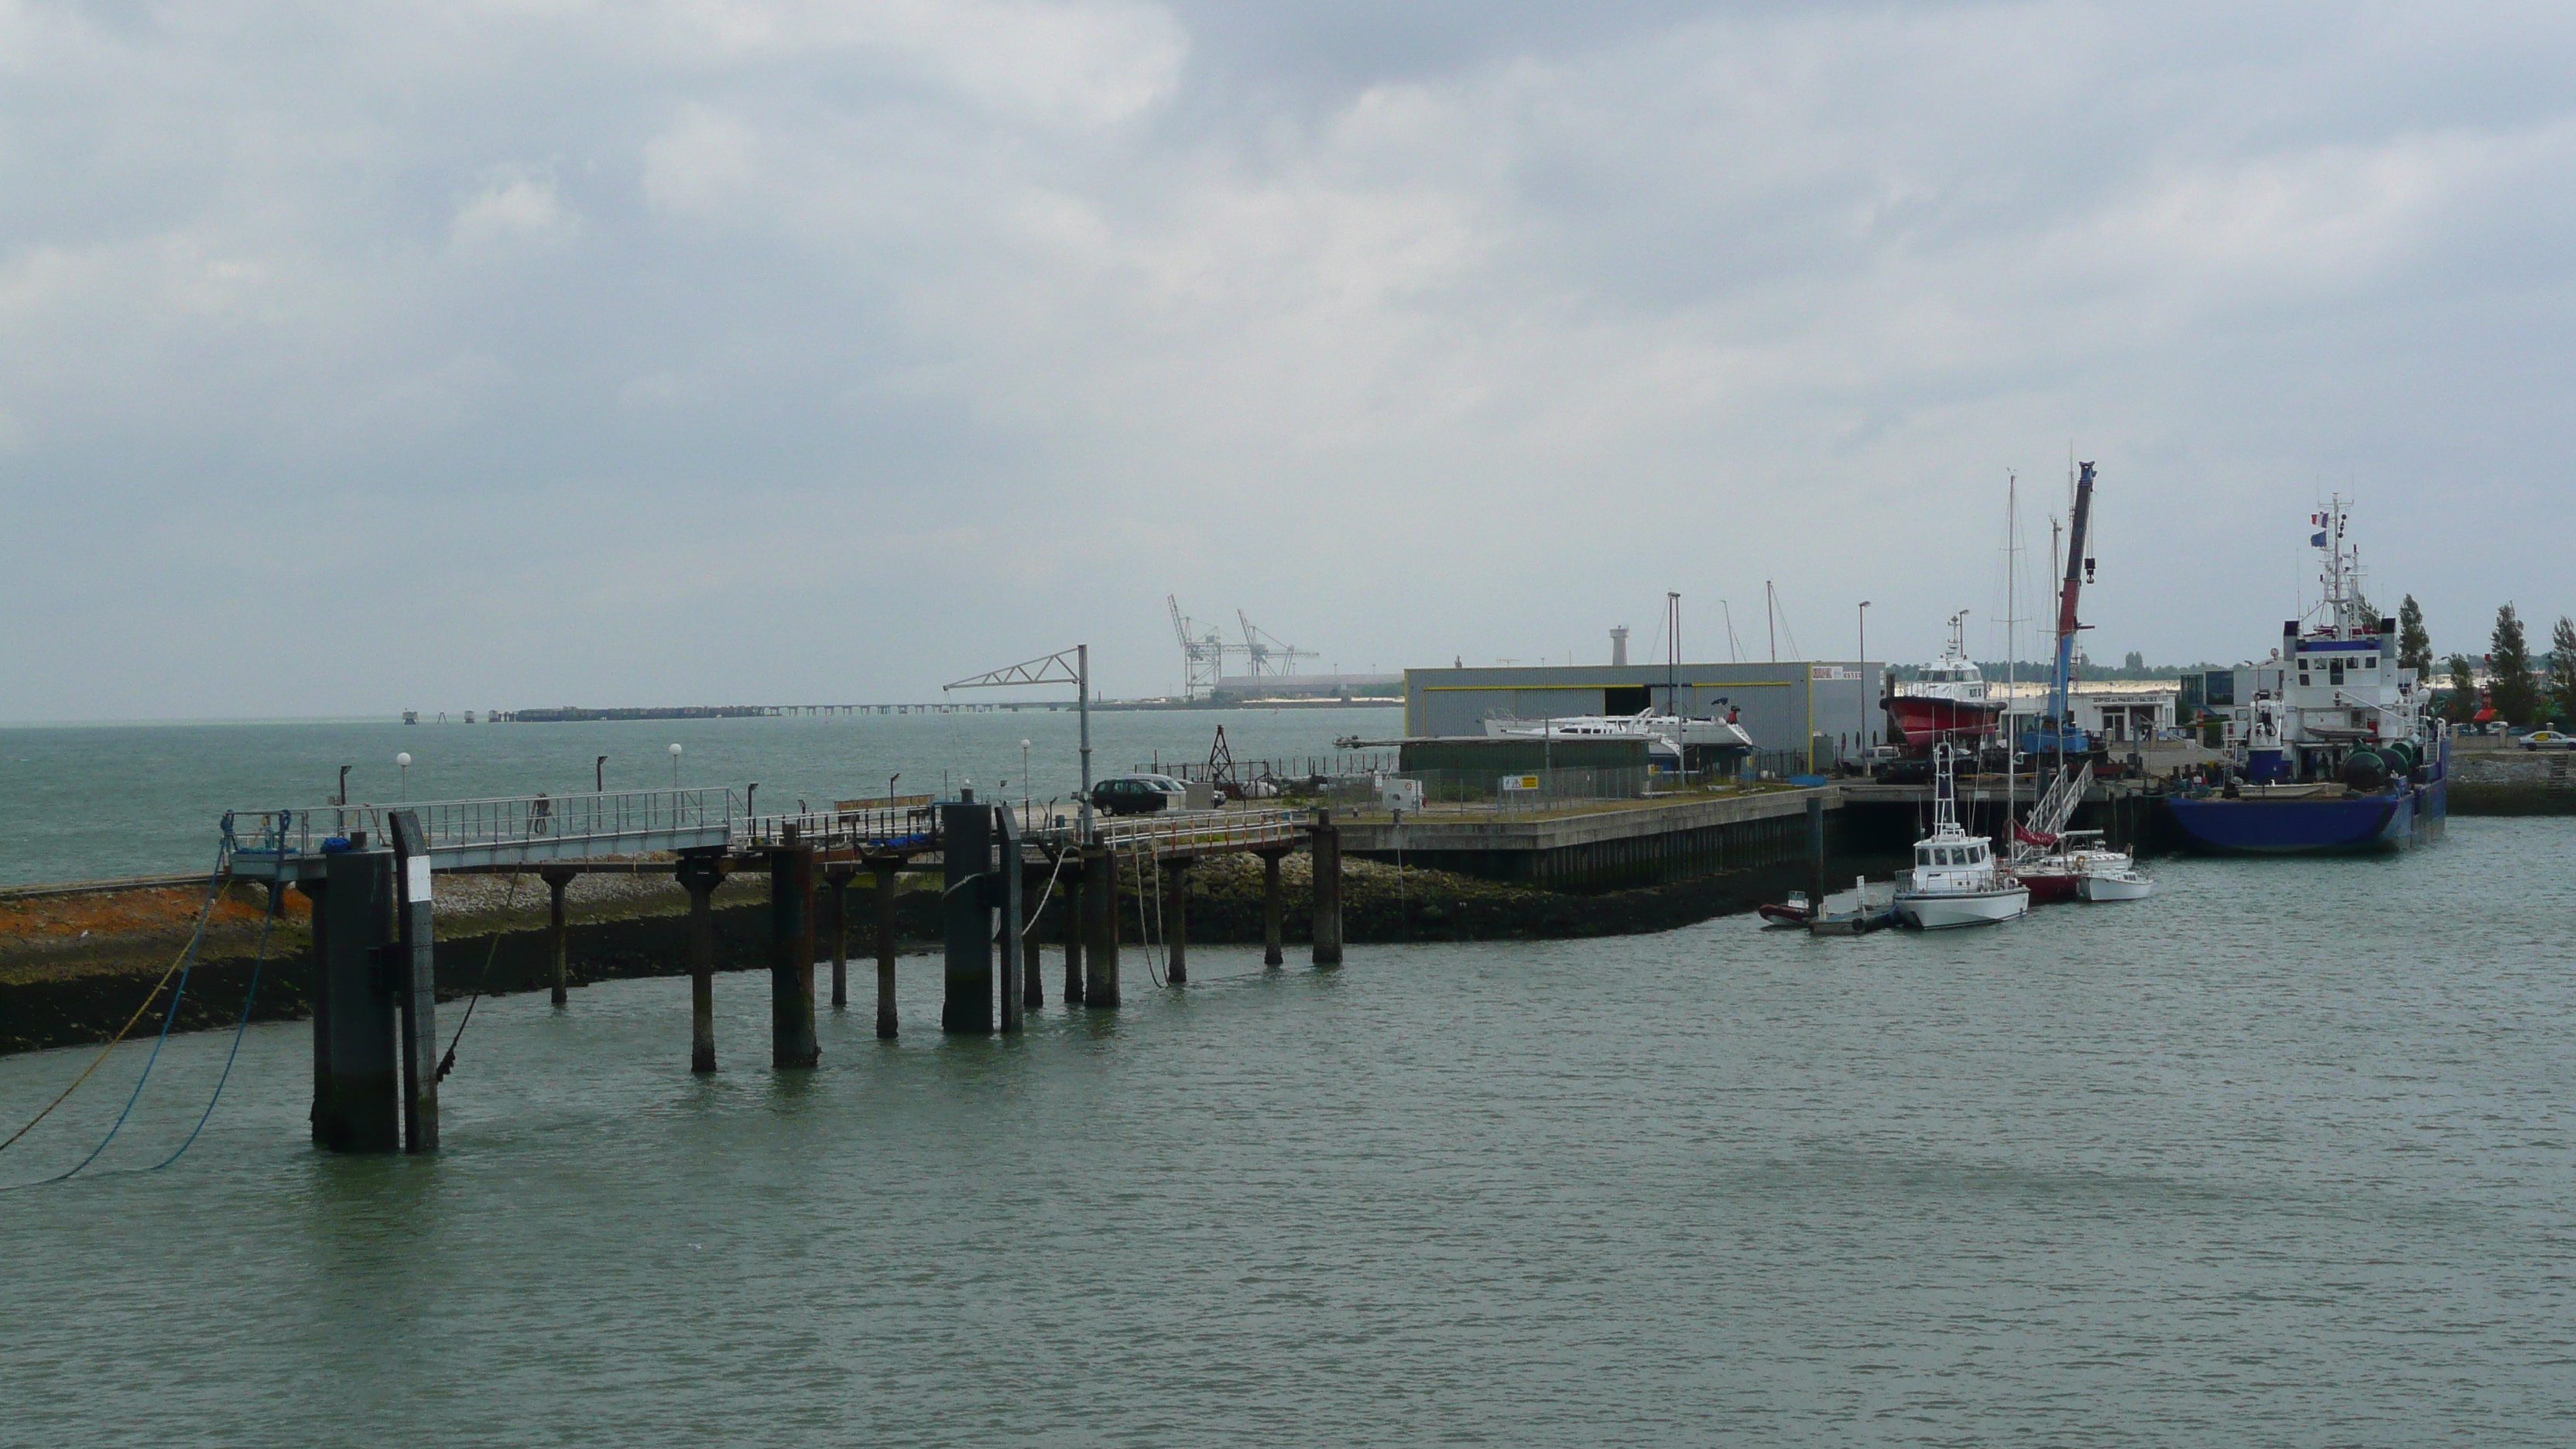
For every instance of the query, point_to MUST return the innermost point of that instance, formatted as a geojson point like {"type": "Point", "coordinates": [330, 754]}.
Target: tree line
{"type": "Point", "coordinates": [2519, 688]}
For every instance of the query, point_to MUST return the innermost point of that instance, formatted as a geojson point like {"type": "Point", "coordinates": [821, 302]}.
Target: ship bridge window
{"type": "Point", "coordinates": [2334, 671]}
{"type": "Point", "coordinates": [1922, 855]}
{"type": "Point", "coordinates": [2370, 661]}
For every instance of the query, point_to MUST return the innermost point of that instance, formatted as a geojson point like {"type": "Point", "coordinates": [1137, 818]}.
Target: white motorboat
{"type": "Point", "coordinates": [2113, 885]}
{"type": "Point", "coordinates": [1956, 880]}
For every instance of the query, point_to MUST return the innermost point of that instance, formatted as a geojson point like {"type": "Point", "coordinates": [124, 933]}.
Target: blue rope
{"type": "Point", "coordinates": [214, 885]}
{"type": "Point", "coordinates": [276, 890]}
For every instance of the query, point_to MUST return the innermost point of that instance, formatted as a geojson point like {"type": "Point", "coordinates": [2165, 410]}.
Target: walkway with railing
{"type": "Point", "coordinates": [523, 829]}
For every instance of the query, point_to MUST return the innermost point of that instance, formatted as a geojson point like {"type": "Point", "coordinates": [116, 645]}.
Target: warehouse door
{"type": "Point", "coordinates": [1626, 699]}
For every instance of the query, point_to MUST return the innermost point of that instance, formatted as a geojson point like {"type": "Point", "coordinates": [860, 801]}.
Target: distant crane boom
{"type": "Point", "coordinates": [1202, 655]}
{"type": "Point", "coordinates": [1267, 654]}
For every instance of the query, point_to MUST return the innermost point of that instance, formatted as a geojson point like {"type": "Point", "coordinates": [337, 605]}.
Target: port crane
{"type": "Point", "coordinates": [1202, 654]}
{"type": "Point", "coordinates": [1266, 654]}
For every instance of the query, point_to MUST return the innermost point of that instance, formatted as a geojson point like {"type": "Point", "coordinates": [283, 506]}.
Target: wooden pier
{"type": "Point", "coordinates": [370, 871]}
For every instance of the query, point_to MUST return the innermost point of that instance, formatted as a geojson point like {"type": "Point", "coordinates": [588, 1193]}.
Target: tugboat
{"type": "Point", "coordinates": [1946, 699]}
{"type": "Point", "coordinates": [2335, 750]}
{"type": "Point", "coordinates": [1956, 881]}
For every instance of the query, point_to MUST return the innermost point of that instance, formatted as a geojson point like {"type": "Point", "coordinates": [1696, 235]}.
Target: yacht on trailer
{"type": "Point", "coordinates": [1945, 700]}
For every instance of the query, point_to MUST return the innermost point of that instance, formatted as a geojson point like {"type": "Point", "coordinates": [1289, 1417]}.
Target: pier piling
{"type": "Point", "coordinates": [885, 872]}
{"type": "Point", "coordinates": [1272, 908]}
{"type": "Point", "coordinates": [319, 893]}
{"type": "Point", "coordinates": [1100, 918]}
{"type": "Point", "coordinates": [362, 1109]}
{"type": "Point", "coordinates": [699, 874]}
{"type": "Point", "coordinates": [1069, 884]}
{"type": "Point", "coordinates": [966, 915]}
{"type": "Point", "coordinates": [556, 878]}
{"type": "Point", "coordinates": [838, 875]}
{"type": "Point", "coordinates": [1816, 850]}
{"type": "Point", "coordinates": [1176, 924]}
{"type": "Point", "coordinates": [417, 959]}
{"type": "Point", "coordinates": [791, 956]}
{"type": "Point", "coordinates": [1033, 884]}
{"type": "Point", "coordinates": [1006, 887]}
{"type": "Point", "coordinates": [1327, 847]}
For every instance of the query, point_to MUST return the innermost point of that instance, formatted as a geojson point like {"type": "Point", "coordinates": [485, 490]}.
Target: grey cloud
{"type": "Point", "coordinates": [1421, 330]}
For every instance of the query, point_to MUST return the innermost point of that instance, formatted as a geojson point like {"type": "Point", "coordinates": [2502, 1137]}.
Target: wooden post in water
{"type": "Point", "coordinates": [556, 878]}
{"type": "Point", "coordinates": [838, 875]}
{"type": "Point", "coordinates": [1326, 840]}
{"type": "Point", "coordinates": [1076, 924]}
{"type": "Point", "coordinates": [699, 873]}
{"type": "Point", "coordinates": [1100, 916]}
{"type": "Point", "coordinates": [885, 869]}
{"type": "Point", "coordinates": [319, 893]}
{"type": "Point", "coordinates": [1272, 908]}
{"type": "Point", "coordinates": [1176, 924]}
{"type": "Point", "coordinates": [791, 955]}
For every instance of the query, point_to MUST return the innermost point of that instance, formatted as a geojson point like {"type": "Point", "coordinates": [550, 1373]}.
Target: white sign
{"type": "Point", "coordinates": [1831, 671]}
{"type": "Point", "coordinates": [1520, 782]}
{"type": "Point", "coordinates": [416, 878]}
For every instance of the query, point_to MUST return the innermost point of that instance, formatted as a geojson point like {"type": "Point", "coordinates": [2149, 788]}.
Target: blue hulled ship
{"type": "Point", "coordinates": [2333, 748]}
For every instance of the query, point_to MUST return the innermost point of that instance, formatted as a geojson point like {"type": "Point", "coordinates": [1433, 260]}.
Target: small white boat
{"type": "Point", "coordinates": [2113, 885]}
{"type": "Point", "coordinates": [1956, 880]}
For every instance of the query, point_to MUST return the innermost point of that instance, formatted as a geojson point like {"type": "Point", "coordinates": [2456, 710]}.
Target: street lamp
{"type": "Point", "coordinates": [402, 762]}
{"type": "Point", "coordinates": [1024, 777]}
{"type": "Point", "coordinates": [599, 776]}
{"type": "Point", "coordinates": [675, 764]}
{"type": "Point", "coordinates": [1864, 666]}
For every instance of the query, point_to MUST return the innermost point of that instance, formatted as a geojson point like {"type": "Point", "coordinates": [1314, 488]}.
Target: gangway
{"type": "Point", "coordinates": [297, 844]}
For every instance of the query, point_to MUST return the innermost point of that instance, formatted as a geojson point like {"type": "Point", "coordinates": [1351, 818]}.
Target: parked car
{"type": "Point", "coordinates": [1139, 795]}
{"type": "Point", "coordinates": [2549, 740]}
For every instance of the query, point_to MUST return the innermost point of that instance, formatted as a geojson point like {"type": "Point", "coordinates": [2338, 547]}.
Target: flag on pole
{"type": "Point", "coordinates": [2318, 541]}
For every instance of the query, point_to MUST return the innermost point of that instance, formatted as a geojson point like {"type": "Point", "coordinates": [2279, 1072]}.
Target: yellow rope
{"type": "Point", "coordinates": [117, 1040]}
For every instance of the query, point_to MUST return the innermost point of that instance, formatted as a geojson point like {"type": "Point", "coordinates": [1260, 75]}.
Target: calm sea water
{"type": "Point", "coordinates": [95, 802]}
{"type": "Point", "coordinates": [2279, 1157]}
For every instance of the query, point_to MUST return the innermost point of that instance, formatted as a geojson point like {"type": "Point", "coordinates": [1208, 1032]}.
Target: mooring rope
{"type": "Point", "coordinates": [214, 884]}
{"type": "Point", "coordinates": [447, 1063]}
{"type": "Point", "coordinates": [185, 965]}
{"type": "Point", "coordinates": [1044, 896]}
{"type": "Point", "coordinates": [259, 959]}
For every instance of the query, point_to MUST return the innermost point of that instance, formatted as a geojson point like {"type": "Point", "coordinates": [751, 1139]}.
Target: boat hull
{"type": "Point", "coordinates": [1948, 910]}
{"type": "Point", "coordinates": [2046, 886]}
{"type": "Point", "coordinates": [2398, 819]}
{"type": "Point", "coordinates": [1920, 719]}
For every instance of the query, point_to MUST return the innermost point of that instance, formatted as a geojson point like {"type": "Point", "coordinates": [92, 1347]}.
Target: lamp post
{"type": "Point", "coordinates": [599, 776]}
{"type": "Point", "coordinates": [675, 764]}
{"type": "Point", "coordinates": [402, 762]}
{"type": "Point", "coordinates": [1864, 666]}
{"type": "Point", "coordinates": [1024, 777]}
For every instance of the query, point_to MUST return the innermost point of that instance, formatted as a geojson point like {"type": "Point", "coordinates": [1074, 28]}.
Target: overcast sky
{"type": "Point", "coordinates": [365, 356]}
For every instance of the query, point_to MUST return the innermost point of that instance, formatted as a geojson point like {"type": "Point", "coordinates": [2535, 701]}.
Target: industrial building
{"type": "Point", "coordinates": [1817, 710]}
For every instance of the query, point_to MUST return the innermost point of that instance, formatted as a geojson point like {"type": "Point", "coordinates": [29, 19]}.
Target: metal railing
{"type": "Point", "coordinates": [880, 828]}
{"type": "Point", "coordinates": [487, 824]}
{"type": "Point", "coordinates": [1196, 832]}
